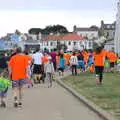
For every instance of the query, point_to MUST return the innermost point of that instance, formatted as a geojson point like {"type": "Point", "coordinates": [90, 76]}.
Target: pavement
{"type": "Point", "coordinates": [42, 103]}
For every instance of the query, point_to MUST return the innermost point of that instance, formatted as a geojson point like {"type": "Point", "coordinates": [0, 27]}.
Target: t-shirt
{"type": "Point", "coordinates": [99, 59]}
{"type": "Point", "coordinates": [53, 55]}
{"type": "Point", "coordinates": [62, 63]}
{"type": "Point", "coordinates": [37, 57]}
{"type": "Point", "coordinates": [112, 56]}
{"type": "Point", "coordinates": [18, 65]}
{"type": "Point", "coordinates": [45, 59]}
{"type": "Point", "coordinates": [29, 59]}
{"type": "Point", "coordinates": [74, 60]}
{"type": "Point", "coordinates": [4, 84]}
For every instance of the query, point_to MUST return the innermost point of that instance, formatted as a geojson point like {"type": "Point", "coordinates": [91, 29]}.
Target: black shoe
{"type": "Point", "coordinates": [20, 104]}
{"type": "Point", "coordinates": [3, 105]}
{"type": "Point", "coordinates": [15, 104]}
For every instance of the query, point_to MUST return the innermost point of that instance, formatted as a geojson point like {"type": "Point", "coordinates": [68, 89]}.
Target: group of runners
{"type": "Point", "coordinates": [24, 67]}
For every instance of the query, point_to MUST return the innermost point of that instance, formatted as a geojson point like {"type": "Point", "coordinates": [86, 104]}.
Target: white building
{"type": "Point", "coordinates": [88, 33]}
{"type": "Point", "coordinates": [117, 32]}
{"type": "Point", "coordinates": [71, 40]}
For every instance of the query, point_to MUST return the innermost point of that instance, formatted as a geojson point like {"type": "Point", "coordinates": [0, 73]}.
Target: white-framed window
{"type": "Point", "coordinates": [74, 43]}
{"type": "Point", "coordinates": [80, 42]}
{"type": "Point", "coordinates": [47, 43]}
{"type": "Point", "coordinates": [90, 44]}
{"type": "Point", "coordinates": [51, 43]}
{"type": "Point", "coordinates": [69, 43]}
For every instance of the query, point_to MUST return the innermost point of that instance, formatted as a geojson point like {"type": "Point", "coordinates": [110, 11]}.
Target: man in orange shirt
{"type": "Point", "coordinates": [112, 56]}
{"type": "Point", "coordinates": [99, 59]}
{"type": "Point", "coordinates": [18, 72]}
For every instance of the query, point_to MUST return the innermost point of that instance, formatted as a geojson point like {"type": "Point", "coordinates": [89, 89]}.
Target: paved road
{"type": "Point", "coordinates": [42, 103]}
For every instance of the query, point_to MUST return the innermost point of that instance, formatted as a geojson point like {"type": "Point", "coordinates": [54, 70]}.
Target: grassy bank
{"type": "Point", "coordinates": [107, 96]}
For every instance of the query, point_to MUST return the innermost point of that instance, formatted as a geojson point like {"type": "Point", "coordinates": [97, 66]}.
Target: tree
{"type": "Point", "coordinates": [49, 29]}
{"type": "Point", "coordinates": [94, 27]}
{"type": "Point", "coordinates": [17, 32]}
{"type": "Point", "coordinates": [35, 31]}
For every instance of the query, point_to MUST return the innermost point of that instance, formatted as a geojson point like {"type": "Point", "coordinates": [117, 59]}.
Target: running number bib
{"type": "Point", "coordinates": [74, 61]}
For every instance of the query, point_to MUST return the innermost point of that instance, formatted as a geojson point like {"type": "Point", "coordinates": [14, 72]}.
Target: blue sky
{"type": "Point", "coordinates": [24, 14]}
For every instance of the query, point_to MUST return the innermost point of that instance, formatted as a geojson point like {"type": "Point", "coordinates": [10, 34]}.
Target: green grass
{"type": "Point", "coordinates": [107, 95]}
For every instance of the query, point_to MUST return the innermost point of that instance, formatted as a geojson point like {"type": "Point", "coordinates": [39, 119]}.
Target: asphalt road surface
{"type": "Point", "coordinates": [42, 103]}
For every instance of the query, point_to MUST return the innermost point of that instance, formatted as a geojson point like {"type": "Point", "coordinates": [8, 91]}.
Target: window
{"type": "Point", "coordinates": [85, 42]}
{"type": "Point", "coordinates": [74, 43]}
{"type": "Point", "coordinates": [113, 26]}
{"type": "Point", "coordinates": [69, 43]}
{"type": "Point", "coordinates": [47, 43]}
{"type": "Point", "coordinates": [90, 44]}
{"type": "Point", "coordinates": [113, 33]}
{"type": "Point", "coordinates": [80, 42]}
{"type": "Point", "coordinates": [92, 34]}
{"type": "Point", "coordinates": [108, 26]}
{"type": "Point", "coordinates": [51, 44]}
{"type": "Point", "coordinates": [107, 34]}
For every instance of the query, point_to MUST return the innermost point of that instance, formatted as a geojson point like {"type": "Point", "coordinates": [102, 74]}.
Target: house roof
{"type": "Point", "coordinates": [73, 36]}
{"type": "Point", "coordinates": [85, 29]}
{"type": "Point", "coordinates": [69, 36]}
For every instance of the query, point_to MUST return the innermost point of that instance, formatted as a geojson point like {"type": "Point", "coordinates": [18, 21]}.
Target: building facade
{"type": "Point", "coordinates": [108, 30]}
{"type": "Point", "coordinates": [71, 41]}
{"type": "Point", "coordinates": [88, 33]}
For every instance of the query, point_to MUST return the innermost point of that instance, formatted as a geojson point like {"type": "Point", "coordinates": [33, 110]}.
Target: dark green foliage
{"type": "Point", "coordinates": [49, 29]}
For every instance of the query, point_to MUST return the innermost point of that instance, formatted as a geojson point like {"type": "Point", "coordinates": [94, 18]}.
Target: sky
{"type": "Point", "coordinates": [26, 14]}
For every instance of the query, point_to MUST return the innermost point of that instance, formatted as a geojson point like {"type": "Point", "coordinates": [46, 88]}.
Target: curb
{"type": "Point", "coordinates": [92, 106]}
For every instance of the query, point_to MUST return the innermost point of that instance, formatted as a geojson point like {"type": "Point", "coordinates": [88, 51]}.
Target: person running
{"type": "Point", "coordinates": [4, 85]}
{"type": "Point", "coordinates": [29, 74]}
{"type": "Point", "coordinates": [74, 63]}
{"type": "Point", "coordinates": [49, 70]}
{"type": "Point", "coordinates": [37, 63]}
{"type": "Point", "coordinates": [18, 67]}
{"type": "Point", "coordinates": [118, 64]}
{"type": "Point", "coordinates": [91, 62]}
{"type": "Point", "coordinates": [61, 65]}
{"type": "Point", "coordinates": [53, 55]}
{"type": "Point", "coordinates": [45, 60]}
{"type": "Point", "coordinates": [81, 64]}
{"type": "Point", "coordinates": [3, 63]}
{"type": "Point", "coordinates": [112, 56]}
{"type": "Point", "coordinates": [99, 59]}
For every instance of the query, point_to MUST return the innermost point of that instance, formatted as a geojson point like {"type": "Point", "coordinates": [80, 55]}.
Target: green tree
{"type": "Point", "coordinates": [35, 31]}
{"type": "Point", "coordinates": [94, 27]}
{"type": "Point", "coordinates": [49, 29]}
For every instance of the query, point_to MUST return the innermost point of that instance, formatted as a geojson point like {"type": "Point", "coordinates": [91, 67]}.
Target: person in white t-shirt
{"type": "Point", "coordinates": [37, 62]}
{"type": "Point", "coordinates": [74, 63]}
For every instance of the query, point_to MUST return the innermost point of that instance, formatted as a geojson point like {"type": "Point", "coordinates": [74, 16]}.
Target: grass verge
{"type": "Point", "coordinates": [107, 95]}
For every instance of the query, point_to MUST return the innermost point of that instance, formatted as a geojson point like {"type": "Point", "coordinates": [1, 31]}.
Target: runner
{"type": "Point", "coordinates": [4, 85]}
{"type": "Point", "coordinates": [74, 63]}
{"type": "Point", "coordinates": [37, 69]}
{"type": "Point", "coordinates": [29, 74]}
{"type": "Point", "coordinates": [18, 71]}
{"type": "Point", "coordinates": [49, 70]}
{"type": "Point", "coordinates": [112, 59]}
{"type": "Point", "coordinates": [61, 65]}
{"type": "Point", "coordinates": [99, 59]}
